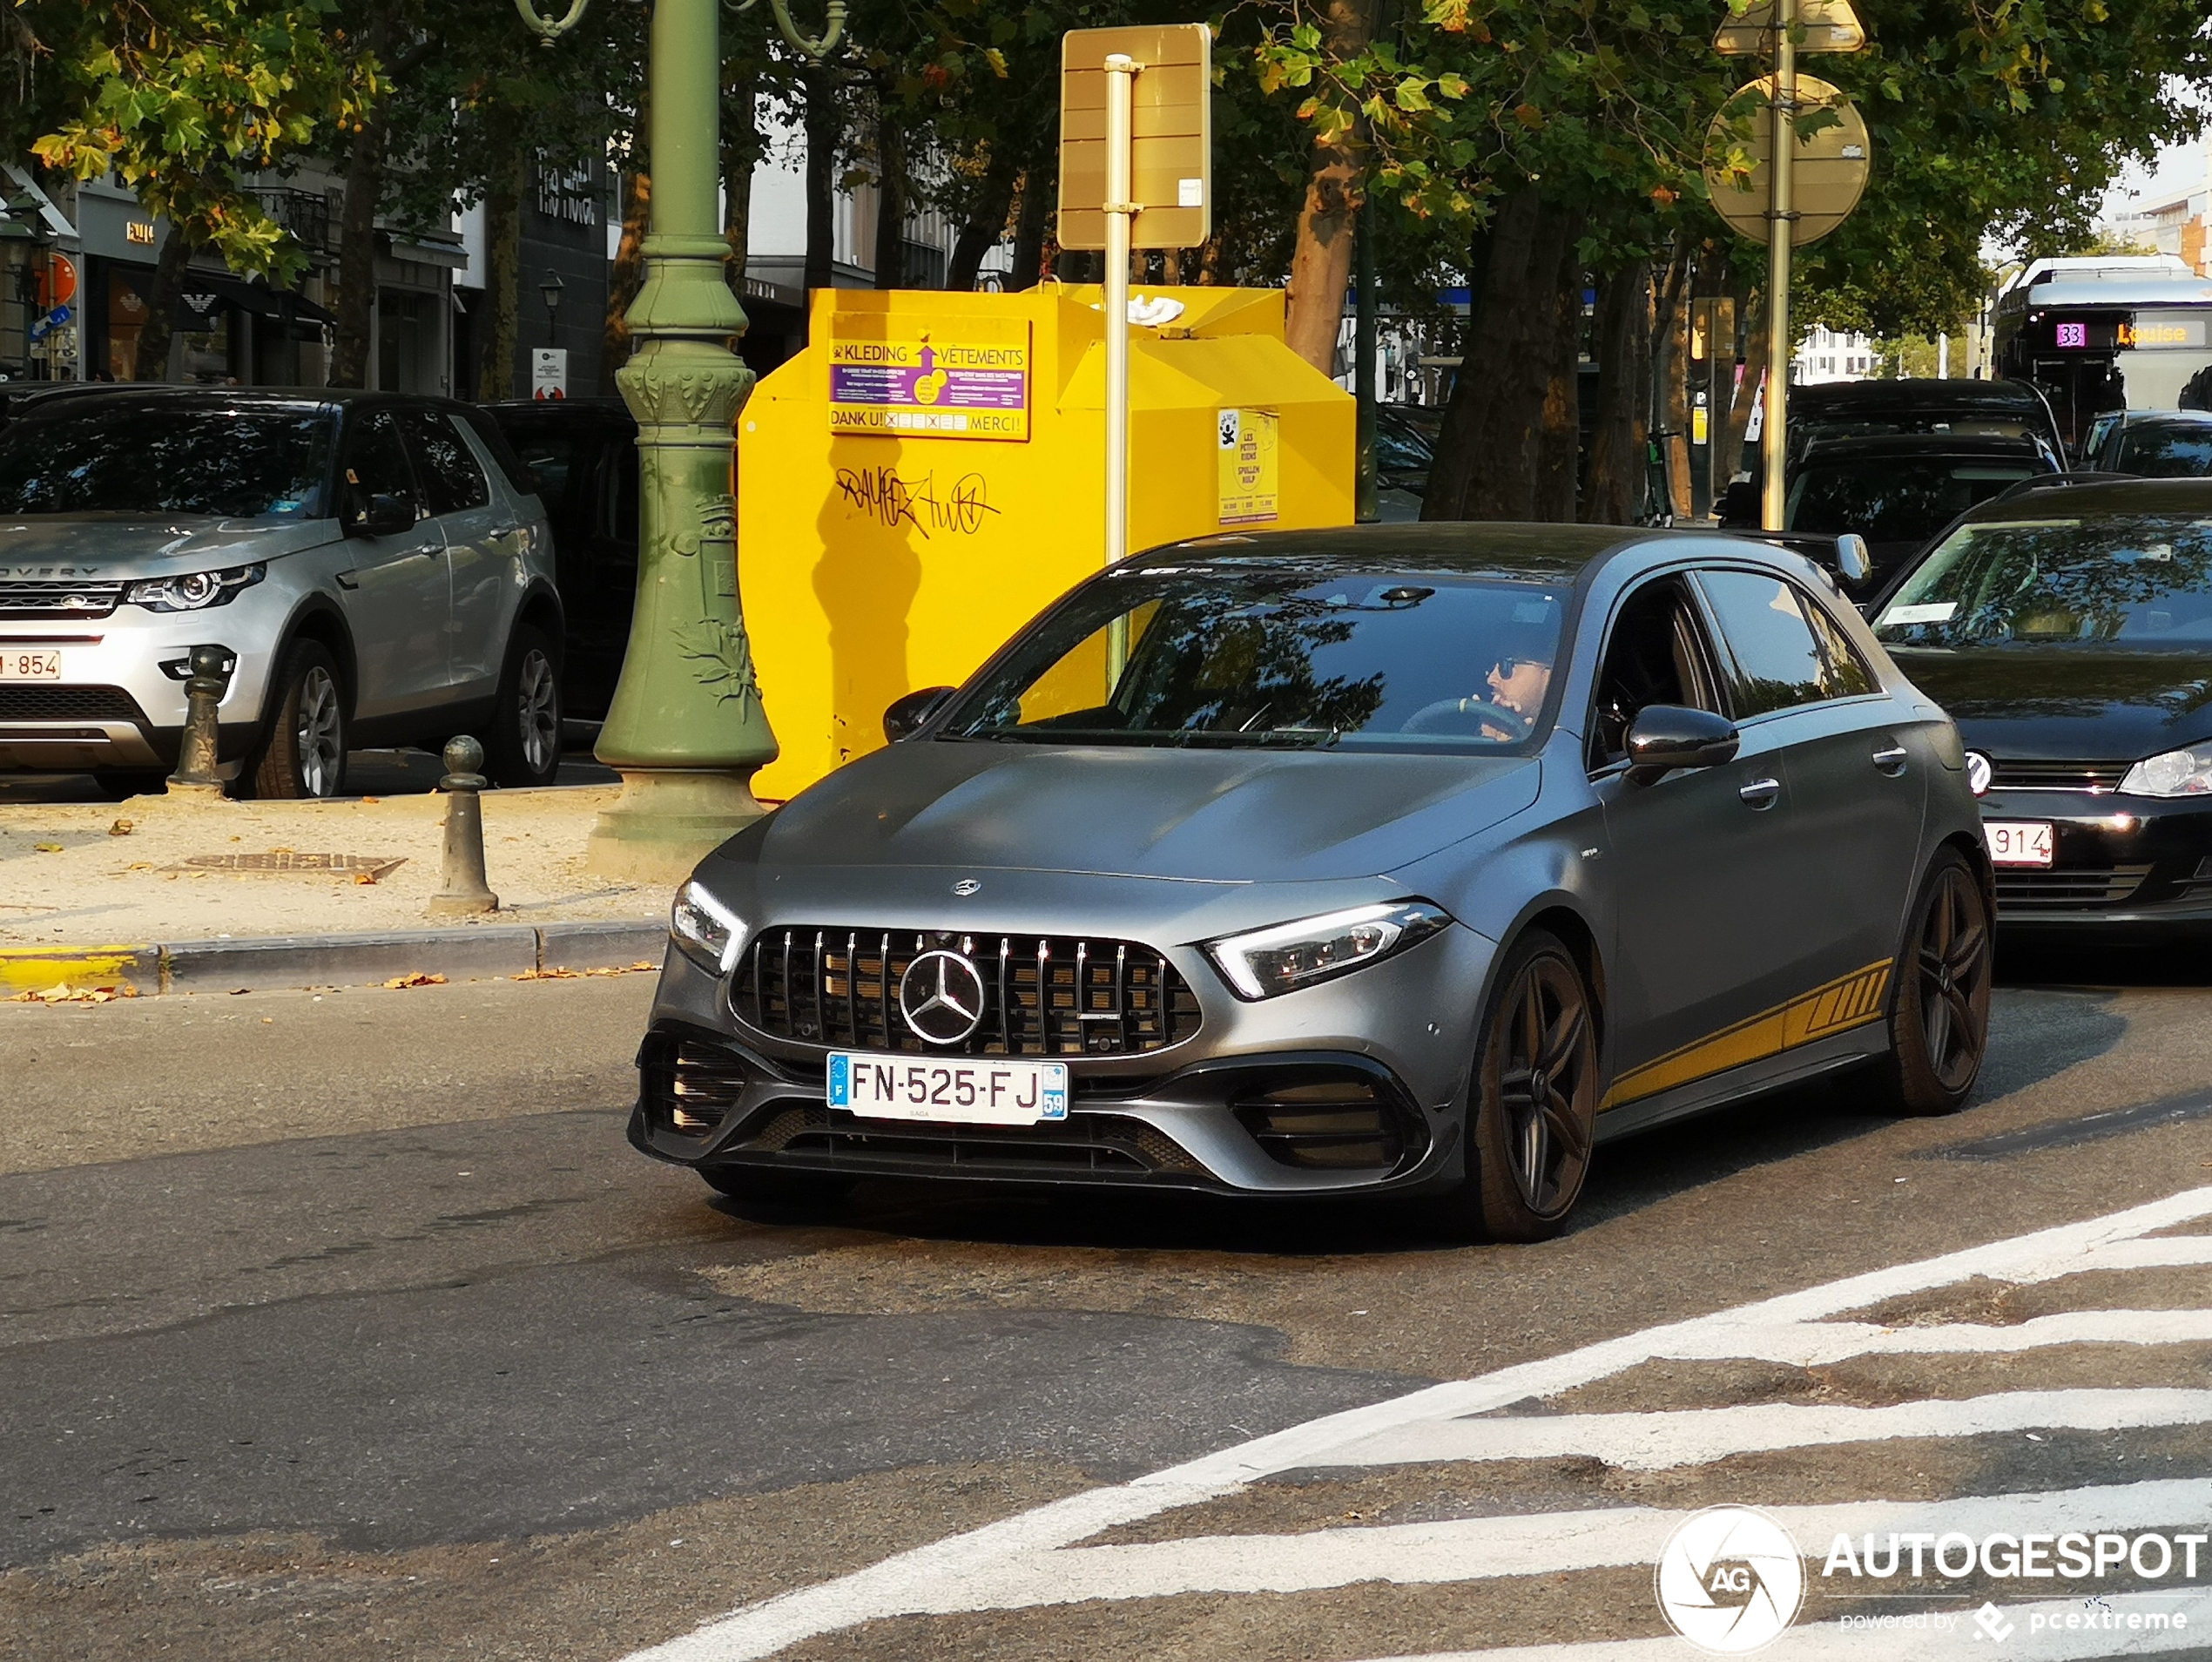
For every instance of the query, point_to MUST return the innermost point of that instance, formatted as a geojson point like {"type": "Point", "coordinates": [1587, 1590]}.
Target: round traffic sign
{"type": "Point", "coordinates": [1827, 179]}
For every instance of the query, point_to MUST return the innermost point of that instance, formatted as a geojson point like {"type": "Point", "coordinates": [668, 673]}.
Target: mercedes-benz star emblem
{"type": "Point", "coordinates": [942, 997]}
{"type": "Point", "coordinates": [965, 887]}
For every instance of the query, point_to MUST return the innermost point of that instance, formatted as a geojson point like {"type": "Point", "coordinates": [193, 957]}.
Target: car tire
{"type": "Point", "coordinates": [1533, 1099]}
{"type": "Point", "coordinates": [525, 740]}
{"type": "Point", "coordinates": [301, 752]}
{"type": "Point", "coordinates": [755, 1183]}
{"type": "Point", "coordinates": [1938, 1016]}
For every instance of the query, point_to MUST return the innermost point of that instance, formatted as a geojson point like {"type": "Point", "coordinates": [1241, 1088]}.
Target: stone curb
{"type": "Point", "coordinates": [269, 962]}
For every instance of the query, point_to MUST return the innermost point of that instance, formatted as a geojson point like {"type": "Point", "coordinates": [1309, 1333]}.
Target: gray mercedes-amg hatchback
{"type": "Point", "coordinates": [1410, 859]}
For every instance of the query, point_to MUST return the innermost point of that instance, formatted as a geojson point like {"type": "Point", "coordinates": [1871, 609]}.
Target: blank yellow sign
{"type": "Point", "coordinates": [1172, 132]}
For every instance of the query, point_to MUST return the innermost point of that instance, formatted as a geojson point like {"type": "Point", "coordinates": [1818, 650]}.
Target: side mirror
{"type": "Point", "coordinates": [1740, 506]}
{"type": "Point", "coordinates": [909, 715]}
{"type": "Point", "coordinates": [382, 515]}
{"type": "Point", "coordinates": [1854, 564]}
{"type": "Point", "coordinates": [1667, 736]}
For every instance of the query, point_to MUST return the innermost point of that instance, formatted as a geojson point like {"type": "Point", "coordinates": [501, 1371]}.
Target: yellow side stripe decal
{"type": "Point", "coordinates": [1853, 1001]}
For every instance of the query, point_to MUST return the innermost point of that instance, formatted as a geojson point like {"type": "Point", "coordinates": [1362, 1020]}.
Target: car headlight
{"type": "Point", "coordinates": [705, 930]}
{"type": "Point", "coordinates": [2178, 773]}
{"type": "Point", "coordinates": [196, 591]}
{"type": "Point", "coordinates": [1289, 955]}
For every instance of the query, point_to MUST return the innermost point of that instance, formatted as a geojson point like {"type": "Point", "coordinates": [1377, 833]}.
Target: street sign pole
{"type": "Point", "coordinates": [1121, 76]}
{"type": "Point", "coordinates": [1782, 219]}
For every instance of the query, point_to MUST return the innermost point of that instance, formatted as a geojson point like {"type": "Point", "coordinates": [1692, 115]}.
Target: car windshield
{"type": "Point", "coordinates": [1282, 654]}
{"type": "Point", "coordinates": [2163, 452]}
{"type": "Point", "coordinates": [166, 459]}
{"type": "Point", "coordinates": [1896, 499]}
{"type": "Point", "coordinates": [2139, 580]}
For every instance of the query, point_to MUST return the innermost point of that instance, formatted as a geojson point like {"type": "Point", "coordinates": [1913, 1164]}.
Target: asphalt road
{"type": "Point", "coordinates": [350, 1327]}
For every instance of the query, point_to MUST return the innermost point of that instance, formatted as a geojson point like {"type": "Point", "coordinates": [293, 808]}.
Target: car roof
{"type": "Point", "coordinates": [2117, 498]}
{"type": "Point", "coordinates": [1897, 446]}
{"type": "Point", "coordinates": [76, 394]}
{"type": "Point", "coordinates": [1553, 553]}
{"type": "Point", "coordinates": [2168, 418]}
{"type": "Point", "coordinates": [1923, 393]}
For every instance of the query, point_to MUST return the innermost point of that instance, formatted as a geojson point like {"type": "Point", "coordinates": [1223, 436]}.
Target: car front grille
{"type": "Point", "coordinates": [21, 703]}
{"type": "Point", "coordinates": [1104, 1145]}
{"type": "Point", "coordinates": [49, 598]}
{"type": "Point", "coordinates": [1043, 994]}
{"type": "Point", "coordinates": [2078, 885]}
{"type": "Point", "coordinates": [2094, 776]}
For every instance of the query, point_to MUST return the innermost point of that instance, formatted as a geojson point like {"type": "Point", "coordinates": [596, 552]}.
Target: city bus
{"type": "Point", "coordinates": [2104, 333]}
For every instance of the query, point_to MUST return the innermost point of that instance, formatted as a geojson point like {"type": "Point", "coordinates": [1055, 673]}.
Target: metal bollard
{"type": "Point", "coordinates": [465, 890]}
{"type": "Point", "coordinates": [210, 680]}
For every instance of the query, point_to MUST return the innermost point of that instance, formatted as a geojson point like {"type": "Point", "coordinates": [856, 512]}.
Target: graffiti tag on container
{"type": "Point", "coordinates": [889, 500]}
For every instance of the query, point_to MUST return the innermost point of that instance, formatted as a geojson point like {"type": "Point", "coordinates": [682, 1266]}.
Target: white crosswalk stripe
{"type": "Point", "coordinates": [1037, 1558]}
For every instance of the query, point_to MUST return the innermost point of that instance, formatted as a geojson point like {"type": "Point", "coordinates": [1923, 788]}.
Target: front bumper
{"type": "Point", "coordinates": [116, 705]}
{"type": "Point", "coordinates": [1358, 1085]}
{"type": "Point", "coordinates": [2115, 859]}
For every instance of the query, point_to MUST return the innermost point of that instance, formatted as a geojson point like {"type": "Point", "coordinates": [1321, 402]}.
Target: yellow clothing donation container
{"type": "Point", "coordinates": [929, 474]}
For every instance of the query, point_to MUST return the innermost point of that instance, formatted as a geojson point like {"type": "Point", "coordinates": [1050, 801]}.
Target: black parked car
{"type": "Point", "coordinates": [2153, 444]}
{"type": "Point", "coordinates": [2069, 633]}
{"type": "Point", "coordinates": [584, 453]}
{"type": "Point", "coordinates": [1896, 492]}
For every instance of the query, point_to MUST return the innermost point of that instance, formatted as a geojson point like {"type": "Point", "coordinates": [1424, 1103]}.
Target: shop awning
{"type": "Point", "coordinates": [205, 294]}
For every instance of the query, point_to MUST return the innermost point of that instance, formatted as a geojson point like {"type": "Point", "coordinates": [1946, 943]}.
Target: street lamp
{"type": "Point", "coordinates": [686, 729]}
{"type": "Point", "coordinates": [551, 288]}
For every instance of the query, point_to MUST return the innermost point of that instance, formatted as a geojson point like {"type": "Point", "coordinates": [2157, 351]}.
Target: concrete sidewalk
{"type": "Point", "coordinates": [143, 896]}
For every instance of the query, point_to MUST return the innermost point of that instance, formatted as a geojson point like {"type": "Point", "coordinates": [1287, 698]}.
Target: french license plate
{"type": "Point", "coordinates": [2018, 843]}
{"type": "Point", "coordinates": [16, 665]}
{"type": "Point", "coordinates": [982, 1090]}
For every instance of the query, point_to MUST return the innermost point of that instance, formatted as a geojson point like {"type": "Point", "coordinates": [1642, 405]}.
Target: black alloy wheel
{"type": "Point", "coordinates": [1535, 1096]}
{"type": "Point", "coordinates": [1940, 1008]}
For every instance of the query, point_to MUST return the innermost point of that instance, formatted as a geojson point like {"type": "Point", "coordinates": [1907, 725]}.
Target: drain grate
{"type": "Point", "coordinates": [284, 862]}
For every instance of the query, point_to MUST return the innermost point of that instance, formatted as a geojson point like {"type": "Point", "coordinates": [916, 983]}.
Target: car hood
{"type": "Point", "coordinates": [2065, 703]}
{"type": "Point", "coordinates": [1217, 816]}
{"type": "Point", "coordinates": [110, 547]}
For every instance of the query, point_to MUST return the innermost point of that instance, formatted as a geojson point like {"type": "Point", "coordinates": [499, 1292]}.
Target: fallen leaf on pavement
{"type": "Point", "coordinates": [120, 828]}
{"type": "Point", "coordinates": [47, 847]}
{"type": "Point", "coordinates": [556, 973]}
{"type": "Point", "coordinates": [398, 981]}
{"type": "Point", "coordinates": [365, 879]}
{"type": "Point", "coordinates": [62, 993]}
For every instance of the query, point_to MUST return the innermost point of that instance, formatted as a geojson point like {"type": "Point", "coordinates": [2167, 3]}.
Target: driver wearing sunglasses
{"type": "Point", "coordinates": [1518, 683]}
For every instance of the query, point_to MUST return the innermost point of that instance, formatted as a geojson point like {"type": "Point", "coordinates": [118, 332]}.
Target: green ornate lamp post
{"type": "Point", "coordinates": [686, 730]}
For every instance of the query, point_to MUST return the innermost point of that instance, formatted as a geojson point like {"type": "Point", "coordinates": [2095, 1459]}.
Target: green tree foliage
{"type": "Point", "coordinates": [184, 100]}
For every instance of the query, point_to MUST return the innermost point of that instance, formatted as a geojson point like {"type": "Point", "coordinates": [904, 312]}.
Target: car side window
{"type": "Point", "coordinates": [451, 477]}
{"type": "Point", "coordinates": [376, 463]}
{"type": "Point", "coordinates": [1845, 675]}
{"type": "Point", "coordinates": [1777, 662]}
{"type": "Point", "coordinates": [1656, 654]}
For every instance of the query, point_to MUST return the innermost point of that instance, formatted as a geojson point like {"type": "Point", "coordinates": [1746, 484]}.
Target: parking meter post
{"type": "Point", "coordinates": [1366, 508]}
{"type": "Point", "coordinates": [1121, 76]}
{"type": "Point", "coordinates": [463, 890]}
{"type": "Point", "coordinates": [686, 728]}
{"type": "Point", "coordinates": [1782, 220]}
{"type": "Point", "coordinates": [204, 690]}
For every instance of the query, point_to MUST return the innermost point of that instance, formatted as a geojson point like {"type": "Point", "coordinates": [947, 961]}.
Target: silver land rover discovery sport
{"type": "Point", "coordinates": [376, 565]}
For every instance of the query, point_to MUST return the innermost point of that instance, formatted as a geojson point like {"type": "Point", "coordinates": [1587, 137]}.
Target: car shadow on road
{"type": "Point", "coordinates": [2035, 1034]}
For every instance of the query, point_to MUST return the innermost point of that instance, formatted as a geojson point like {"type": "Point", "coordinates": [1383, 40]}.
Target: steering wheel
{"type": "Point", "coordinates": [1432, 718]}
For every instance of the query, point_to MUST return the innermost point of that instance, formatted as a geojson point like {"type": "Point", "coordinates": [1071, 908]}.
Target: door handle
{"type": "Point", "coordinates": [428, 549]}
{"type": "Point", "coordinates": [348, 580]}
{"type": "Point", "coordinates": [1891, 760]}
{"type": "Point", "coordinates": [1761, 792]}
